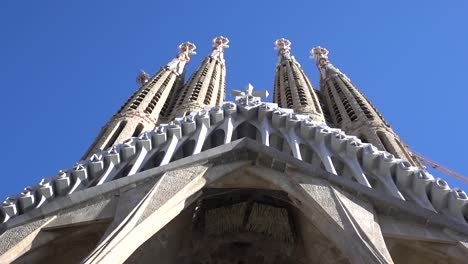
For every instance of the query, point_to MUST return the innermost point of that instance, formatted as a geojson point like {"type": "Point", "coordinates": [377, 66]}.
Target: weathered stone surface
{"type": "Point", "coordinates": [169, 185]}
{"type": "Point", "coordinates": [96, 209]}
{"type": "Point", "coordinates": [17, 241]}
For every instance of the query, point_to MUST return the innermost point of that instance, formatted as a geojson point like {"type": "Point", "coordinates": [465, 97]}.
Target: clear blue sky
{"type": "Point", "coordinates": [67, 66]}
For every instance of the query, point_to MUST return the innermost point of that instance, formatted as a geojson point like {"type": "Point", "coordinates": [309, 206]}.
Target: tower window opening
{"type": "Point", "coordinates": [335, 109]}
{"type": "Point", "coordinates": [358, 95]}
{"type": "Point", "coordinates": [138, 130]}
{"type": "Point", "coordinates": [116, 134]}
{"type": "Point", "coordinates": [386, 143]}
{"type": "Point", "coordinates": [349, 109]}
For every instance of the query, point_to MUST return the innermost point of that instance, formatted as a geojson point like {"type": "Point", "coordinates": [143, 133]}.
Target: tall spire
{"type": "Point", "coordinates": [351, 111]}
{"type": "Point", "coordinates": [206, 86]}
{"type": "Point", "coordinates": [292, 88]}
{"type": "Point", "coordinates": [143, 108]}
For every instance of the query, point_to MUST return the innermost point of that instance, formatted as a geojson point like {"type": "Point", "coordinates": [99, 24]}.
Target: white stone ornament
{"type": "Point", "coordinates": [249, 97]}
{"type": "Point", "coordinates": [219, 44]}
{"type": "Point", "coordinates": [177, 65]}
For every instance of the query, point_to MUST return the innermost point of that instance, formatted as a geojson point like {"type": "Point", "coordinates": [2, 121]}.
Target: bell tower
{"type": "Point", "coordinates": [207, 85]}
{"type": "Point", "coordinates": [292, 88]}
{"type": "Point", "coordinates": [352, 112]}
{"type": "Point", "coordinates": [143, 108]}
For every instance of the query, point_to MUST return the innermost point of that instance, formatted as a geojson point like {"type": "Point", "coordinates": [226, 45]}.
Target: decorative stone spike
{"type": "Point", "coordinates": [174, 130]}
{"type": "Point", "coordinates": [457, 203]}
{"type": "Point", "coordinates": [144, 142]}
{"type": "Point", "coordinates": [216, 115]}
{"type": "Point", "coordinates": [96, 165]}
{"type": "Point", "coordinates": [439, 194]}
{"type": "Point", "coordinates": [159, 137]}
{"type": "Point", "coordinates": [278, 119]}
{"type": "Point", "coordinates": [338, 142]}
{"type": "Point", "coordinates": [203, 119]}
{"type": "Point", "coordinates": [9, 208]}
{"type": "Point", "coordinates": [27, 199]}
{"type": "Point", "coordinates": [44, 188]}
{"type": "Point", "coordinates": [127, 151]}
{"type": "Point", "coordinates": [112, 155]}
{"type": "Point", "coordinates": [229, 108]}
{"type": "Point", "coordinates": [62, 183]}
{"type": "Point", "coordinates": [189, 125]}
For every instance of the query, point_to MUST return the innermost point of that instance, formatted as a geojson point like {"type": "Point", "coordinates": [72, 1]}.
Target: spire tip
{"type": "Point", "coordinates": [186, 49]}
{"type": "Point", "coordinates": [320, 55]}
{"type": "Point", "coordinates": [219, 44]}
{"type": "Point", "coordinates": [283, 46]}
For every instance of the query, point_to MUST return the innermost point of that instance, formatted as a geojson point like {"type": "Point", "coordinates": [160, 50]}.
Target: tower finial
{"type": "Point", "coordinates": [283, 46]}
{"type": "Point", "coordinates": [183, 56]}
{"type": "Point", "coordinates": [185, 50]}
{"type": "Point", "coordinates": [323, 63]}
{"type": "Point", "coordinates": [219, 44]}
{"type": "Point", "coordinates": [320, 55]}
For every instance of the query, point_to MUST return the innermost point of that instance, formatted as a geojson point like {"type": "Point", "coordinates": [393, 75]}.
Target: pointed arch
{"type": "Point", "coordinates": [138, 130]}
{"type": "Point", "coordinates": [246, 130]}
{"type": "Point", "coordinates": [216, 138]}
{"type": "Point", "coordinates": [342, 169]}
{"type": "Point", "coordinates": [115, 134]}
{"type": "Point", "coordinates": [310, 156]}
{"type": "Point", "coordinates": [277, 141]}
{"type": "Point", "coordinates": [184, 150]}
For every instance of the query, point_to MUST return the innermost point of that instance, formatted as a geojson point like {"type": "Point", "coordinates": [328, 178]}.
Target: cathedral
{"type": "Point", "coordinates": [180, 175]}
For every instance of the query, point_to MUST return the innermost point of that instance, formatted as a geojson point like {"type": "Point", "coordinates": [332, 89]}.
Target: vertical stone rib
{"type": "Point", "coordinates": [292, 87]}
{"type": "Point", "coordinates": [221, 85]}
{"type": "Point", "coordinates": [353, 112]}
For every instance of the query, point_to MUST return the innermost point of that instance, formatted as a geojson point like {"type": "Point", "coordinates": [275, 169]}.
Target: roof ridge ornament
{"type": "Point", "coordinates": [249, 97]}
{"type": "Point", "coordinates": [177, 65]}
{"type": "Point", "coordinates": [219, 44]}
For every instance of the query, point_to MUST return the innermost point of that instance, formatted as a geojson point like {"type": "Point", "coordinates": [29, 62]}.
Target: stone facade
{"type": "Point", "coordinates": [239, 182]}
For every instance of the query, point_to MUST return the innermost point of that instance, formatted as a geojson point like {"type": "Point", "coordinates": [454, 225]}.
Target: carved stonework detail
{"type": "Point", "coordinates": [320, 55]}
{"type": "Point", "coordinates": [219, 44]}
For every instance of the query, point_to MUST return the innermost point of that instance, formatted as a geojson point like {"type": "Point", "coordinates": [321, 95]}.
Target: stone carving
{"type": "Point", "coordinates": [177, 65]}
{"type": "Point", "coordinates": [320, 55]}
{"type": "Point", "coordinates": [283, 46]}
{"type": "Point", "coordinates": [305, 137]}
{"type": "Point", "coordinates": [219, 44]}
{"type": "Point", "coordinates": [249, 97]}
